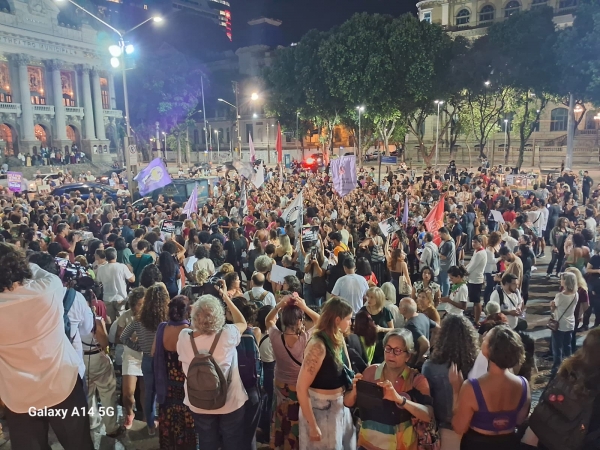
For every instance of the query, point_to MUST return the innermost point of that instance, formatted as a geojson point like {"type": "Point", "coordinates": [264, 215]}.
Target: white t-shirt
{"type": "Point", "coordinates": [113, 277]}
{"type": "Point", "coordinates": [565, 311]}
{"type": "Point", "coordinates": [590, 224]}
{"type": "Point", "coordinates": [257, 292]}
{"type": "Point", "coordinates": [266, 350]}
{"type": "Point", "coordinates": [461, 295]}
{"type": "Point", "coordinates": [351, 288]}
{"type": "Point", "coordinates": [476, 267]}
{"type": "Point", "coordinates": [225, 356]}
{"type": "Point", "coordinates": [511, 303]}
{"type": "Point", "coordinates": [39, 366]}
{"type": "Point", "coordinates": [82, 323]}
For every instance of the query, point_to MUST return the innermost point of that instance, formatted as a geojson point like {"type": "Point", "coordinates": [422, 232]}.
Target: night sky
{"type": "Point", "coordinates": [200, 37]}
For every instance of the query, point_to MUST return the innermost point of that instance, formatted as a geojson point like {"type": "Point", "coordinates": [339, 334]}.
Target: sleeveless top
{"type": "Point", "coordinates": [330, 374]}
{"type": "Point", "coordinates": [497, 421]}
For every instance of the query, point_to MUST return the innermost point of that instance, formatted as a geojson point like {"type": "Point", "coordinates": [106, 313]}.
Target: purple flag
{"type": "Point", "coordinates": [191, 205]}
{"type": "Point", "coordinates": [153, 177]}
{"type": "Point", "coordinates": [343, 171]}
{"type": "Point", "coordinates": [405, 214]}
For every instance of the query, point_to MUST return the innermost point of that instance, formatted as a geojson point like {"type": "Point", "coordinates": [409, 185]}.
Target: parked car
{"type": "Point", "coordinates": [86, 189]}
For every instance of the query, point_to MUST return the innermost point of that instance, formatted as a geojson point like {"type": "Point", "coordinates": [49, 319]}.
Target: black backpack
{"type": "Point", "coordinates": [562, 417]}
{"type": "Point", "coordinates": [68, 300]}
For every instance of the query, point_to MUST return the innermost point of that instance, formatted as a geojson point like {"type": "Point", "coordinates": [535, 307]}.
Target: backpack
{"type": "Point", "coordinates": [435, 262]}
{"type": "Point", "coordinates": [562, 417]}
{"type": "Point", "coordinates": [68, 301]}
{"type": "Point", "coordinates": [258, 301]}
{"type": "Point", "coordinates": [206, 384]}
{"type": "Point", "coordinates": [249, 363]}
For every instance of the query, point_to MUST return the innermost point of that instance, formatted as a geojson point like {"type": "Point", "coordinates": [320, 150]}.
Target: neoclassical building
{"type": "Point", "coordinates": [55, 86]}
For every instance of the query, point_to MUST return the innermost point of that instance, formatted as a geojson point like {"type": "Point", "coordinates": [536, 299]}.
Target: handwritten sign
{"type": "Point", "coordinates": [171, 226]}
{"type": "Point", "coordinates": [14, 181]}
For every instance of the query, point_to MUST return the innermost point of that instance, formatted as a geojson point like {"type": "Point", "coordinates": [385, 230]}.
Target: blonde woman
{"type": "Point", "coordinates": [382, 317]}
{"type": "Point", "coordinates": [583, 302]}
{"type": "Point", "coordinates": [324, 422]}
{"type": "Point", "coordinates": [389, 290]}
{"type": "Point", "coordinates": [284, 248]}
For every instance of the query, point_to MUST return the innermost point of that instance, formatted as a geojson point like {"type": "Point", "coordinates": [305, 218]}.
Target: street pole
{"type": "Point", "coordinates": [360, 110]}
{"type": "Point", "coordinates": [570, 132]}
{"type": "Point", "coordinates": [237, 119]}
{"type": "Point", "coordinates": [187, 150]}
{"type": "Point", "coordinates": [505, 135]}
{"type": "Point", "coordinates": [157, 138]}
{"type": "Point", "coordinates": [268, 150]}
{"type": "Point", "coordinates": [437, 133]}
{"type": "Point", "coordinates": [297, 137]}
{"type": "Point", "coordinates": [218, 148]}
{"type": "Point", "coordinates": [205, 123]}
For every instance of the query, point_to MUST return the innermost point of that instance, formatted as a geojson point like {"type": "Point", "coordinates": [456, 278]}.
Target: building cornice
{"type": "Point", "coordinates": [429, 2]}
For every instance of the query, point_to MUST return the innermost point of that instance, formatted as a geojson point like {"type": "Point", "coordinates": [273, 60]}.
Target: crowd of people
{"type": "Point", "coordinates": [324, 332]}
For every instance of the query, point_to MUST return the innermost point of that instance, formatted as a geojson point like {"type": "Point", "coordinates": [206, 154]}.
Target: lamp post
{"type": "Point", "coordinates": [360, 110]}
{"type": "Point", "coordinates": [253, 96]}
{"type": "Point", "coordinates": [118, 59]}
{"type": "Point", "coordinates": [437, 132]}
{"type": "Point", "coordinates": [218, 147]}
{"type": "Point", "coordinates": [297, 124]}
{"type": "Point", "coordinates": [505, 134]}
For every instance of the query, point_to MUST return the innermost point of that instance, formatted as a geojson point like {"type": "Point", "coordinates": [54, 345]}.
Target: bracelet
{"type": "Point", "coordinates": [403, 403]}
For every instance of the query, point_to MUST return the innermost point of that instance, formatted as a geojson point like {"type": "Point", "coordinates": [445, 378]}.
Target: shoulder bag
{"type": "Point", "coordinates": [553, 323]}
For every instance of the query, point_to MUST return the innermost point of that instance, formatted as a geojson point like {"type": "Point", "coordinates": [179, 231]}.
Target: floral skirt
{"type": "Point", "coordinates": [284, 427]}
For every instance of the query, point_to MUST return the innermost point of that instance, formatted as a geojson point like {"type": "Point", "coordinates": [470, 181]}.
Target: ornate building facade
{"type": "Point", "coordinates": [55, 87]}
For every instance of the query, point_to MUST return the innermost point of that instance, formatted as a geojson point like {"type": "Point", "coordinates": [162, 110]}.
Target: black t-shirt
{"type": "Point", "coordinates": [569, 180]}
{"type": "Point", "coordinates": [457, 231]}
{"type": "Point", "coordinates": [527, 257]}
{"type": "Point", "coordinates": [382, 319]}
{"type": "Point", "coordinates": [587, 184]}
{"type": "Point", "coordinates": [311, 211]}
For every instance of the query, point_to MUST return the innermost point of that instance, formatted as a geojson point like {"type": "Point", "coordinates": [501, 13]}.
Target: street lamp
{"type": "Point", "coordinates": [487, 83]}
{"type": "Point", "coordinates": [254, 96]}
{"type": "Point", "coordinates": [437, 132]}
{"type": "Point", "coordinates": [505, 134]}
{"type": "Point", "coordinates": [360, 110]}
{"type": "Point", "coordinates": [237, 118]}
{"type": "Point", "coordinates": [218, 147]}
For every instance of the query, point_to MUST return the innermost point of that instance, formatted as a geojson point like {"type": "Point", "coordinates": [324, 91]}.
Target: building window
{"type": "Point", "coordinates": [145, 6]}
{"type": "Point", "coordinates": [36, 85]}
{"type": "Point", "coordinates": [250, 130]}
{"type": "Point", "coordinates": [463, 17]}
{"type": "Point", "coordinates": [66, 81]}
{"type": "Point", "coordinates": [105, 93]}
{"type": "Point", "coordinates": [511, 8]}
{"type": "Point", "coordinates": [228, 136]}
{"type": "Point", "coordinates": [426, 17]}
{"type": "Point", "coordinates": [537, 3]}
{"type": "Point", "coordinates": [558, 119]}
{"type": "Point", "coordinates": [196, 137]}
{"type": "Point", "coordinates": [5, 93]}
{"type": "Point", "coordinates": [564, 4]}
{"type": "Point", "coordinates": [486, 14]}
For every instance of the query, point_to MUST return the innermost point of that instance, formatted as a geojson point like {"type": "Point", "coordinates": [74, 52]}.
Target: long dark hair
{"type": "Point", "coordinates": [166, 265]}
{"type": "Point", "coordinates": [365, 327]}
{"type": "Point", "coordinates": [583, 368]}
{"type": "Point", "coordinates": [457, 343]}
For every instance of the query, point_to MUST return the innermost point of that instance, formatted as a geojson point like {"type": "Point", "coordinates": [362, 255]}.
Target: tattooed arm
{"type": "Point", "coordinates": [313, 358]}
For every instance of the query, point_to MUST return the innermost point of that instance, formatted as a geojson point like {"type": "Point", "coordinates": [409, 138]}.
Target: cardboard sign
{"type": "Point", "coordinates": [278, 274]}
{"type": "Point", "coordinates": [171, 226]}
{"type": "Point", "coordinates": [389, 226]}
{"type": "Point", "coordinates": [14, 181]}
{"type": "Point", "coordinates": [497, 215]}
{"type": "Point", "coordinates": [44, 189]}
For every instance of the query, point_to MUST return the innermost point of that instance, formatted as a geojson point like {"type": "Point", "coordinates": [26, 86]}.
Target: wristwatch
{"type": "Point", "coordinates": [403, 401]}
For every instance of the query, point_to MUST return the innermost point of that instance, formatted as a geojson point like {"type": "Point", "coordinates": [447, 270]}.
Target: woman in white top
{"type": "Point", "coordinates": [563, 310]}
{"type": "Point", "coordinates": [457, 301]}
{"type": "Point", "coordinates": [491, 252]}
{"type": "Point", "coordinates": [389, 290]}
{"type": "Point", "coordinates": [219, 428]}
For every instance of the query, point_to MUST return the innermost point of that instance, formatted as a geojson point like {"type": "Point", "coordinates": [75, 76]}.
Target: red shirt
{"type": "Point", "coordinates": [65, 245]}
{"type": "Point", "coordinates": [509, 216]}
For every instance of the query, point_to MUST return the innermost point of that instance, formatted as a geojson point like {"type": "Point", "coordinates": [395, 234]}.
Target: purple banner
{"type": "Point", "coordinates": [153, 177]}
{"type": "Point", "coordinates": [14, 181]}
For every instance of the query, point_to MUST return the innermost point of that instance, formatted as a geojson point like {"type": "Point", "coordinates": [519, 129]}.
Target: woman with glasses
{"type": "Point", "coordinates": [403, 388]}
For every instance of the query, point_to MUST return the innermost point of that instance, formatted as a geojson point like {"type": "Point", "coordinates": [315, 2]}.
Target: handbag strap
{"type": "Point", "coordinates": [288, 351]}
{"type": "Point", "coordinates": [570, 304]}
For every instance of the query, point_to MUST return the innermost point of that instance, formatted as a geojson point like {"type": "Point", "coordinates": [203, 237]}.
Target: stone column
{"type": "Point", "coordinates": [111, 88]}
{"type": "Point", "coordinates": [27, 124]}
{"type": "Point", "coordinates": [54, 66]}
{"type": "Point", "coordinates": [88, 108]}
{"type": "Point", "coordinates": [98, 109]}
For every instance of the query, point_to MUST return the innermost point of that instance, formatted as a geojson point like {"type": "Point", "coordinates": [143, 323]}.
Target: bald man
{"type": "Point", "coordinates": [258, 294]}
{"type": "Point", "coordinates": [420, 326]}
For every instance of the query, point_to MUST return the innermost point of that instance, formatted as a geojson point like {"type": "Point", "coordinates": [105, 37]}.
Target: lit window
{"type": "Point", "coordinates": [427, 16]}
{"type": "Point", "coordinates": [558, 119]}
{"type": "Point", "coordinates": [145, 6]}
{"type": "Point", "coordinates": [486, 14]}
{"type": "Point", "coordinates": [511, 8]}
{"type": "Point", "coordinates": [463, 17]}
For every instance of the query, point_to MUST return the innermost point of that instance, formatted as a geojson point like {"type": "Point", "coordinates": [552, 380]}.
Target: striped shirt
{"type": "Point", "coordinates": [145, 337]}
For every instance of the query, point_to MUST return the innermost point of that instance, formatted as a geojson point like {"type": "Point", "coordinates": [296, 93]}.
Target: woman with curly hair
{"type": "Point", "coordinates": [153, 311]}
{"type": "Point", "coordinates": [457, 343]}
{"type": "Point", "coordinates": [176, 424]}
{"type": "Point", "coordinates": [217, 254]}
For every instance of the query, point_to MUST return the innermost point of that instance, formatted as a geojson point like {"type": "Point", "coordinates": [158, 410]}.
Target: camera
{"type": "Point", "coordinates": [69, 271]}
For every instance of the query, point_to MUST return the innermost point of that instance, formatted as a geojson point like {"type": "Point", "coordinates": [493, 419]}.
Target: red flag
{"type": "Point", "coordinates": [278, 145]}
{"type": "Point", "coordinates": [435, 220]}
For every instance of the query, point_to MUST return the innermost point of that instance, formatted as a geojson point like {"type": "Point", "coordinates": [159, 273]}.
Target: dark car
{"type": "Point", "coordinates": [106, 175]}
{"type": "Point", "coordinates": [86, 189]}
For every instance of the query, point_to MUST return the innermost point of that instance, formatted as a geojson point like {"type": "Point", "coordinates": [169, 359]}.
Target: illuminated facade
{"type": "Point", "coordinates": [55, 89]}
{"type": "Point", "coordinates": [219, 11]}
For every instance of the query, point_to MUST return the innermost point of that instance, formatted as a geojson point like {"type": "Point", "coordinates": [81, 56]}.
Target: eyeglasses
{"type": "Point", "coordinates": [395, 351]}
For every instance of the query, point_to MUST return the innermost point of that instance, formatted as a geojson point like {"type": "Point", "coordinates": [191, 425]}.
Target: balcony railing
{"type": "Point", "coordinates": [73, 111]}
{"type": "Point", "coordinates": [10, 108]}
{"type": "Point", "coordinates": [43, 109]}
{"type": "Point", "coordinates": [116, 113]}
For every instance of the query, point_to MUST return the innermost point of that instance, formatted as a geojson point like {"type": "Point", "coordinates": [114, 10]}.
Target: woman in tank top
{"type": "Point", "coordinates": [488, 409]}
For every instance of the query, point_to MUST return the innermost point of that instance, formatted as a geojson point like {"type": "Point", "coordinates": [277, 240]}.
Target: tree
{"type": "Point", "coordinates": [526, 61]}
{"type": "Point", "coordinates": [164, 88]}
